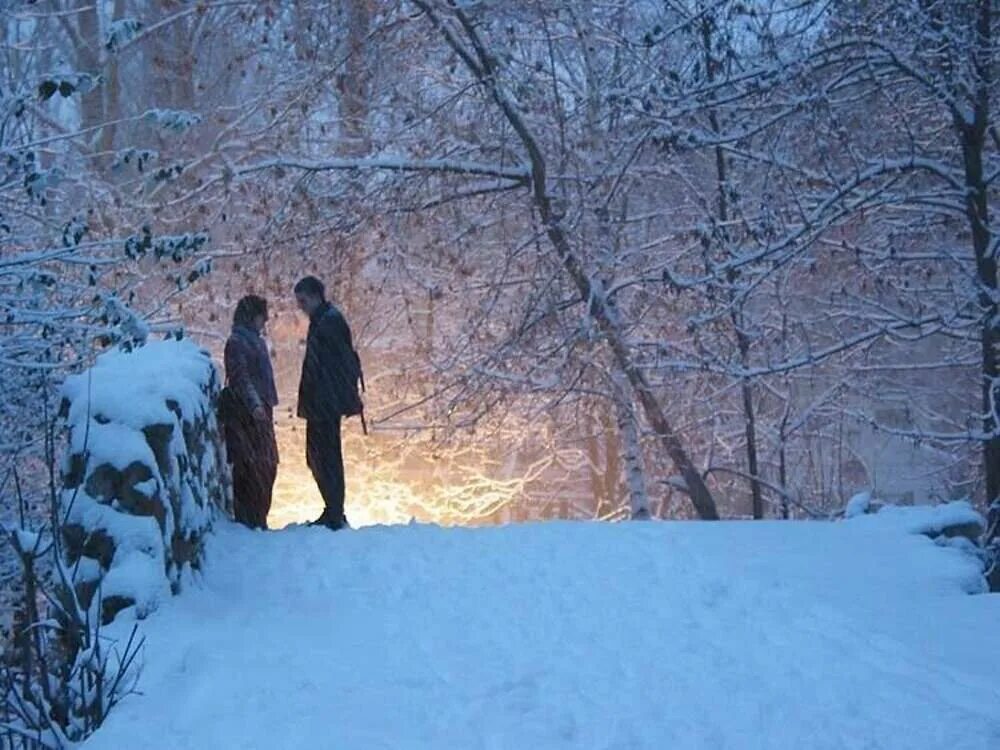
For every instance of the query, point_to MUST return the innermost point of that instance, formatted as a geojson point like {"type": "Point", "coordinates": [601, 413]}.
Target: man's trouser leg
{"type": "Point", "coordinates": [326, 461]}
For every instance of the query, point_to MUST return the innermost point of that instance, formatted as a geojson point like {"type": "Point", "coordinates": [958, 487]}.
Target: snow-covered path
{"type": "Point", "coordinates": [798, 636]}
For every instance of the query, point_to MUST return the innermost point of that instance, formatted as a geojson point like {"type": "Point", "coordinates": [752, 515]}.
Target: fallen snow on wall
{"type": "Point", "coordinates": [688, 636]}
{"type": "Point", "coordinates": [144, 471]}
{"type": "Point", "coordinates": [953, 519]}
{"type": "Point", "coordinates": [858, 505]}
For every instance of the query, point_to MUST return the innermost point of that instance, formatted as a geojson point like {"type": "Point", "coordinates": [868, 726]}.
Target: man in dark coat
{"type": "Point", "coordinates": [248, 421]}
{"type": "Point", "coordinates": [328, 392]}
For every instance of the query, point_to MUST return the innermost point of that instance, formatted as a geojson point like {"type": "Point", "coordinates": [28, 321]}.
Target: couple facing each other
{"type": "Point", "coordinates": [328, 391]}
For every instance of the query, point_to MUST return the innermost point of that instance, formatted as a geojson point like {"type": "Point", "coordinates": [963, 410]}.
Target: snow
{"type": "Point", "coordinates": [112, 443]}
{"type": "Point", "coordinates": [395, 163]}
{"type": "Point", "coordinates": [134, 532]}
{"type": "Point", "coordinates": [120, 32]}
{"type": "Point", "coordinates": [133, 387]}
{"type": "Point", "coordinates": [137, 575]}
{"type": "Point", "coordinates": [113, 411]}
{"type": "Point", "coordinates": [28, 541]}
{"type": "Point", "coordinates": [147, 488]}
{"type": "Point", "coordinates": [925, 519]}
{"type": "Point", "coordinates": [172, 119]}
{"type": "Point", "coordinates": [827, 636]}
{"type": "Point", "coordinates": [138, 567]}
{"type": "Point", "coordinates": [858, 505]}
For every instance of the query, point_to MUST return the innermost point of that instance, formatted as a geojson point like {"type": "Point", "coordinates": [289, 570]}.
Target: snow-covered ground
{"type": "Point", "coordinates": [798, 636]}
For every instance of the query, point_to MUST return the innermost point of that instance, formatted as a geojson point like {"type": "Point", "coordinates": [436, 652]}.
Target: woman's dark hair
{"type": "Point", "coordinates": [249, 308]}
{"type": "Point", "coordinates": [312, 286]}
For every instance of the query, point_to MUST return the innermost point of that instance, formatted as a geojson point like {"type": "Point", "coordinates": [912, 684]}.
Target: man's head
{"type": "Point", "coordinates": [251, 312]}
{"type": "Point", "coordinates": [310, 294]}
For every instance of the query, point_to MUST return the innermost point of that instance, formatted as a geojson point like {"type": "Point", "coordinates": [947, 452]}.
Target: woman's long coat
{"type": "Point", "coordinates": [250, 440]}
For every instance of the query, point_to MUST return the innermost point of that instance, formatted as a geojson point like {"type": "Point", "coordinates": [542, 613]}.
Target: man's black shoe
{"type": "Point", "coordinates": [333, 524]}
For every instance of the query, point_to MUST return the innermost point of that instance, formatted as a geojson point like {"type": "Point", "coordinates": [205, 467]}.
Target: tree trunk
{"type": "Point", "coordinates": [783, 463]}
{"type": "Point", "coordinates": [752, 466]}
{"type": "Point", "coordinates": [612, 460]}
{"type": "Point", "coordinates": [593, 461]}
{"type": "Point", "coordinates": [480, 63]}
{"type": "Point", "coordinates": [354, 140]}
{"type": "Point", "coordinates": [353, 83]}
{"type": "Point", "coordinates": [112, 93]}
{"type": "Point", "coordinates": [628, 430]}
{"type": "Point", "coordinates": [88, 59]}
{"type": "Point", "coordinates": [973, 138]}
{"type": "Point", "coordinates": [735, 306]}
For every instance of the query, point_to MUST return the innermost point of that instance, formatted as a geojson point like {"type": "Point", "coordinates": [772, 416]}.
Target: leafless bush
{"type": "Point", "coordinates": [61, 674]}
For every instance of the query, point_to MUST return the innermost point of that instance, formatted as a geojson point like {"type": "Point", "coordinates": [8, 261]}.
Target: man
{"type": "Point", "coordinates": [328, 391]}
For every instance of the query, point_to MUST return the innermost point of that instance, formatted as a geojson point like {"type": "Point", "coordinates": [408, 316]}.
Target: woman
{"type": "Point", "coordinates": [248, 421]}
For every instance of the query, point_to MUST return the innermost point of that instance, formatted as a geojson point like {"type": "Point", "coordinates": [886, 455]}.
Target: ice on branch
{"type": "Point", "coordinates": [174, 120]}
{"type": "Point", "coordinates": [121, 32]}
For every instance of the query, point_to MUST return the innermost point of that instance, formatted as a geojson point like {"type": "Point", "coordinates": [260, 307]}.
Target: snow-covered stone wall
{"type": "Point", "coordinates": [144, 475]}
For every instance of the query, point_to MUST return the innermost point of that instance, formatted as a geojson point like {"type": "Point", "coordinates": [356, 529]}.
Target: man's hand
{"type": "Point", "coordinates": [260, 414]}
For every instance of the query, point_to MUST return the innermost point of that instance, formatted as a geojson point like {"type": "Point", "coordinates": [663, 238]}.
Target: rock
{"type": "Point", "coordinates": [112, 605]}
{"type": "Point", "coordinates": [993, 578]}
{"type": "Point", "coordinates": [971, 530]}
{"type": "Point", "coordinates": [97, 544]}
{"type": "Point", "coordinates": [156, 421]}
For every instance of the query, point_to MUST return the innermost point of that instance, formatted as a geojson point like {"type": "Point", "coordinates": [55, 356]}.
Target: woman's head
{"type": "Point", "coordinates": [251, 312]}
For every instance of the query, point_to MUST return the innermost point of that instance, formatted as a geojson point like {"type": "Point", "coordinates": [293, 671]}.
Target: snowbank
{"type": "Point", "coordinates": [688, 636]}
{"type": "Point", "coordinates": [952, 519]}
{"type": "Point", "coordinates": [144, 472]}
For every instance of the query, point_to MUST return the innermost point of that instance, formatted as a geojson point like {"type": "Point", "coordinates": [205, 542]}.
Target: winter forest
{"type": "Point", "coordinates": [628, 259]}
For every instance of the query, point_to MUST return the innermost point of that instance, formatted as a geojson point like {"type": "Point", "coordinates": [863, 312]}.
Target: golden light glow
{"type": "Point", "coordinates": [380, 490]}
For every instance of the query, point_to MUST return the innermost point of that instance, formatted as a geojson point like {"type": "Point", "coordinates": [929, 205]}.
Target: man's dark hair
{"type": "Point", "coordinates": [312, 286]}
{"type": "Point", "coordinates": [249, 308]}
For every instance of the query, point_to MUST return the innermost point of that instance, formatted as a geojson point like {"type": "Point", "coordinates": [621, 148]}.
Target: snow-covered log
{"type": "Point", "coordinates": [144, 473]}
